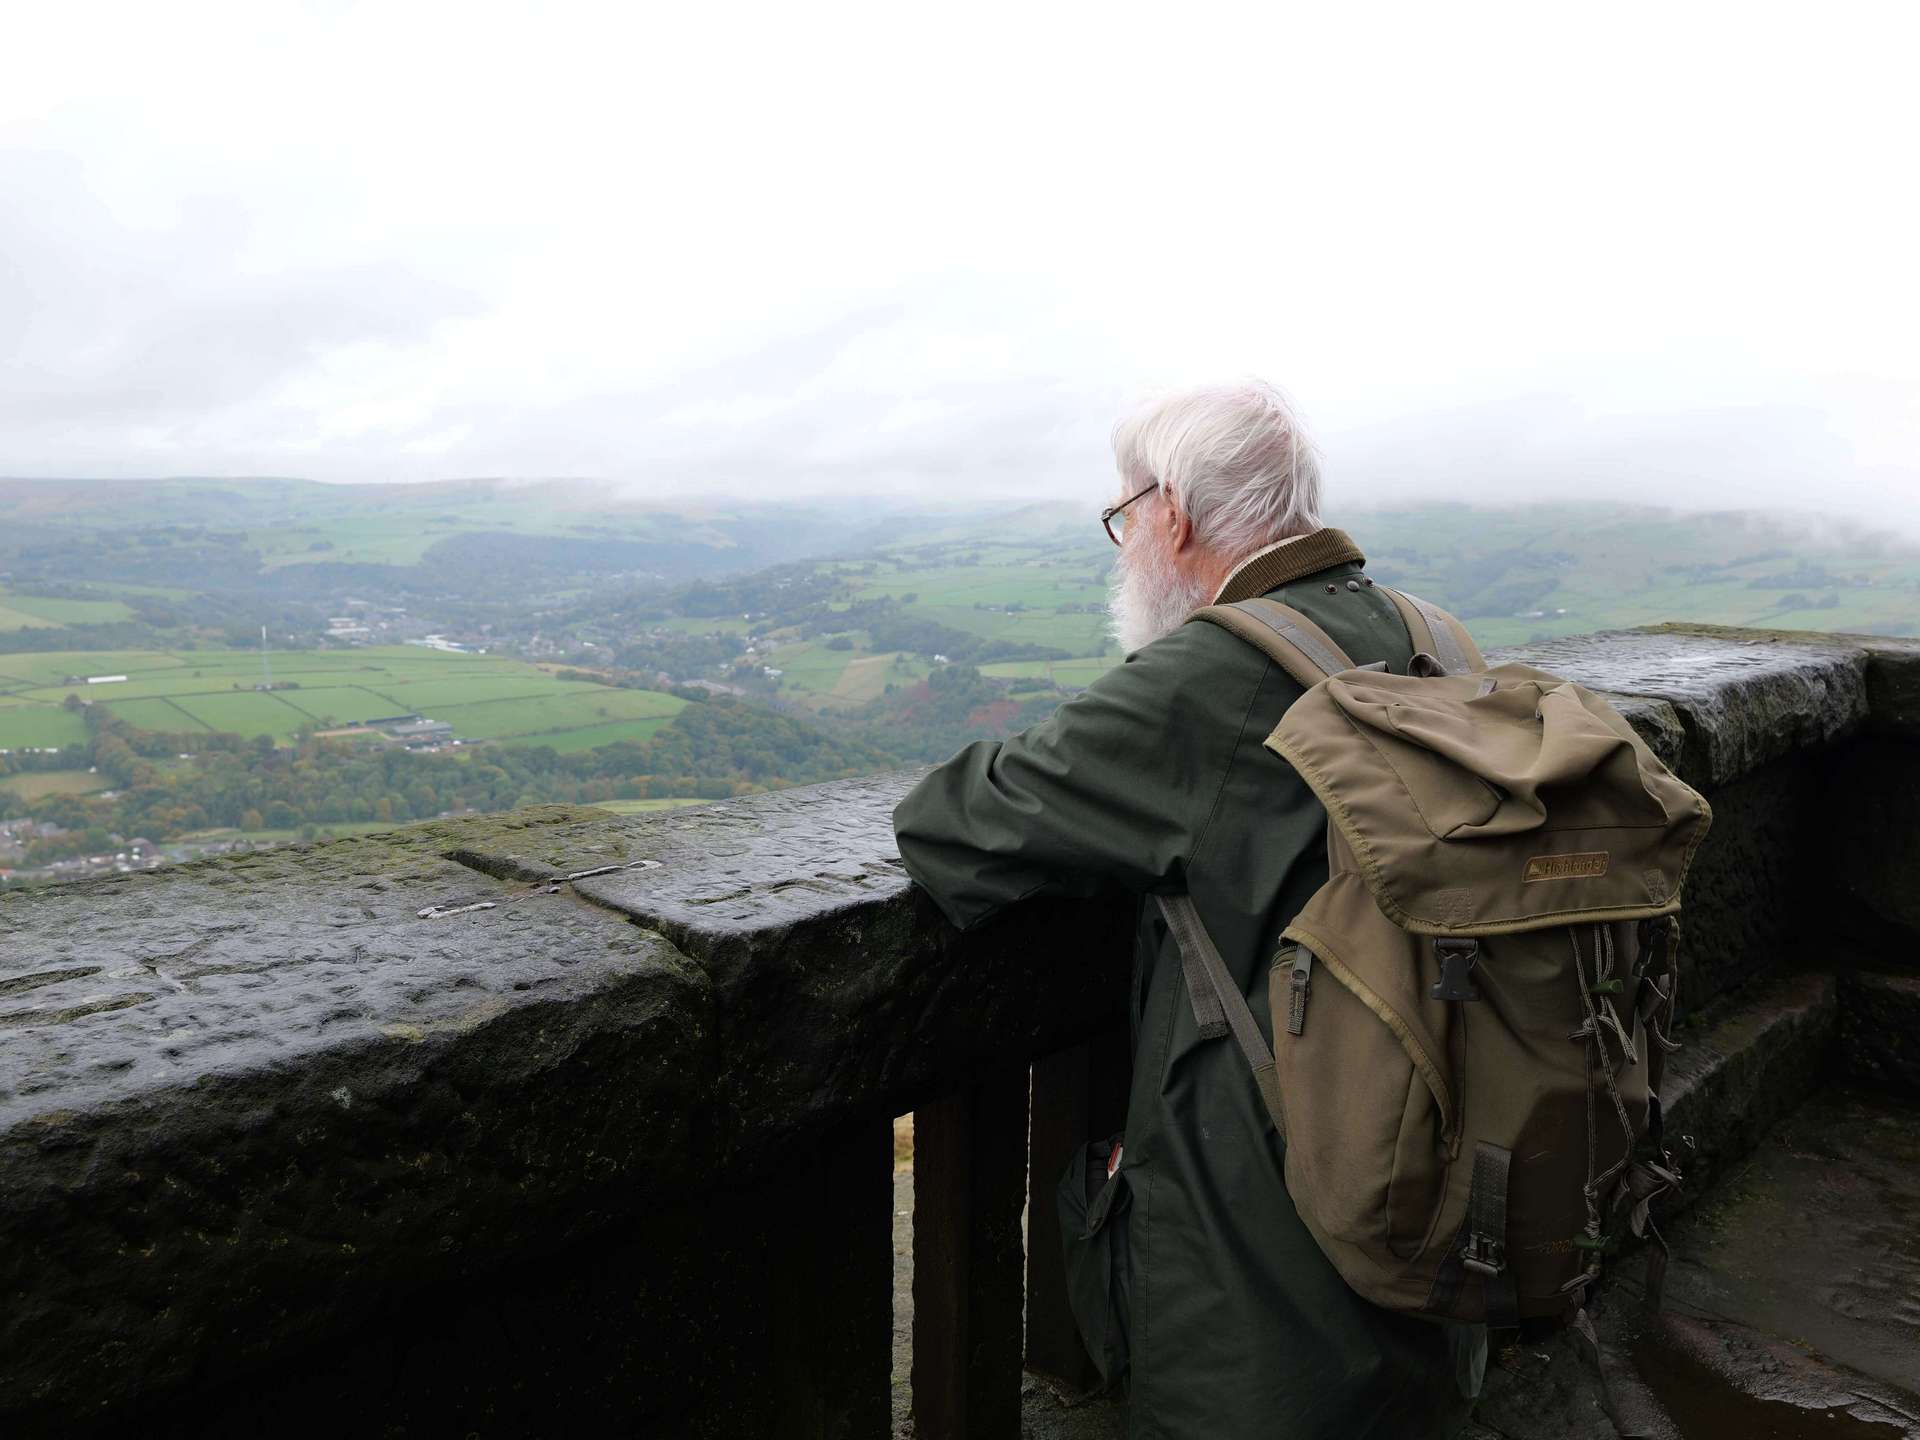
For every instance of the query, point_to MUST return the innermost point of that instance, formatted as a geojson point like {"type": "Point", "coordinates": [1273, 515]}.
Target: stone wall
{"type": "Point", "coordinates": [541, 1121]}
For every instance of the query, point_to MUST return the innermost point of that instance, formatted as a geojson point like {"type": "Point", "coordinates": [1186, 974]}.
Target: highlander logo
{"type": "Point", "coordinates": [1584, 866]}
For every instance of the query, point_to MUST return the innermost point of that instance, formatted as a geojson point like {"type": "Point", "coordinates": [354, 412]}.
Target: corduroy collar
{"type": "Point", "coordinates": [1287, 560]}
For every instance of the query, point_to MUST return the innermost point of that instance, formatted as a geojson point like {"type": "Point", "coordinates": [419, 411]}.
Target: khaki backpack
{"type": "Point", "coordinates": [1470, 1016]}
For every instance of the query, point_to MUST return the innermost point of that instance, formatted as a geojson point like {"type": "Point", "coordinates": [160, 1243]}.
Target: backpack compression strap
{"type": "Point", "coordinates": [1284, 635]}
{"type": "Point", "coordinates": [1436, 633]}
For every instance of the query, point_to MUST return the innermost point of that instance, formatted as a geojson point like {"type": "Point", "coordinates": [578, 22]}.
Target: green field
{"type": "Point", "coordinates": [482, 697]}
{"type": "Point", "coordinates": [1024, 584]}
{"type": "Point", "coordinates": [592, 737]}
{"type": "Point", "coordinates": [704, 624]}
{"type": "Point", "coordinates": [51, 667]}
{"type": "Point", "coordinates": [1010, 592]}
{"type": "Point", "coordinates": [813, 675]}
{"type": "Point", "coordinates": [39, 727]}
{"type": "Point", "coordinates": [571, 706]}
{"type": "Point", "coordinates": [156, 714]}
{"type": "Point", "coordinates": [24, 612]}
{"type": "Point", "coordinates": [244, 713]}
{"type": "Point", "coordinates": [14, 619]}
{"type": "Point", "coordinates": [432, 694]}
{"type": "Point", "coordinates": [37, 785]}
{"type": "Point", "coordinates": [337, 705]}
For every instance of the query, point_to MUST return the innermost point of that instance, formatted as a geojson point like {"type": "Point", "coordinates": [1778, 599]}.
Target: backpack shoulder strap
{"type": "Point", "coordinates": [1218, 1005]}
{"type": "Point", "coordinates": [1436, 633]}
{"type": "Point", "coordinates": [1284, 635]}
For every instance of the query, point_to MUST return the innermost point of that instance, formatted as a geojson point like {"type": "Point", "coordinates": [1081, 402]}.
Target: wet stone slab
{"type": "Point", "coordinates": [1893, 668]}
{"type": "Point", "coordinates": [839, 991]}
{"type": "Point", "coordinates": [243, 1103]}
{"type": "Point", "coordinates": [1816, 1239]}
{"type": "Point", "coordinates": [1743, 697]}
{"type": "Point", "coordinates": [1790, 1311]}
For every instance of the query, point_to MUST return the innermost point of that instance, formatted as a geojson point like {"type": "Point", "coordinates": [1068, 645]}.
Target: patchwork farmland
{"type": "Point", "coordinates": [482, 697]}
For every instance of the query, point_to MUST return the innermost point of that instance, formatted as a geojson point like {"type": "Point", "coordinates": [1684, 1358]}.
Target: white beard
{"type": "Point", "coordinates": [1148, 597]}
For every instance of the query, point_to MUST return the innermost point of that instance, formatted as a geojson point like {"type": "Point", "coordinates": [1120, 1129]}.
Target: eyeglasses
{"type": "Point", "coordinates": [1113, 522]}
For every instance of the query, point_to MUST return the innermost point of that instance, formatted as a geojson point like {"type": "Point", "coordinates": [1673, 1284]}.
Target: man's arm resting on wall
{"type": "Point", "coordinates": [1114, 790]}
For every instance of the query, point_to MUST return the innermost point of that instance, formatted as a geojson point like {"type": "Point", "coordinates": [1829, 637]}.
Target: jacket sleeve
{"type": "Point", "coordinates": [1113, 791]}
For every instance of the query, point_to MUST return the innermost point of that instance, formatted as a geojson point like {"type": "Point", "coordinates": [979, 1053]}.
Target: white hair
{"type": "Point", "coordinates": [1233, 459]}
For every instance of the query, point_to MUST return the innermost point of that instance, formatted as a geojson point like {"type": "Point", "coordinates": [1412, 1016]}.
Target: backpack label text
{"type": "Point", "coordinates": [1586, 865]}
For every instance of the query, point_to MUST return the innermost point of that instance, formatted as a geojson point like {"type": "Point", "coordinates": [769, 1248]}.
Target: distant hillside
{"type": "Point", "coordinates": [634, 654]}
{"type": "Point", "coordinates": [300, 538]}
{"type": "Point", "coordinates": [169, 562]}
{"type": "Point", "coordinates": [1521, 572]}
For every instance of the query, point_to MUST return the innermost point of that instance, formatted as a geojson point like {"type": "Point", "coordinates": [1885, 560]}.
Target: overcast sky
{"type": "Point", "coordinates": [1665, 252]}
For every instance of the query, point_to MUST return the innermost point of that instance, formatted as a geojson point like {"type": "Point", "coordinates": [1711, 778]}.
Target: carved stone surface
{"type": "Point", "coordinates": [1753, 882]}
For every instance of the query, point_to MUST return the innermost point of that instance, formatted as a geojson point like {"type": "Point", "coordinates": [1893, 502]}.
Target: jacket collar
{"type": "Point", "coordinates": [1286, 560]}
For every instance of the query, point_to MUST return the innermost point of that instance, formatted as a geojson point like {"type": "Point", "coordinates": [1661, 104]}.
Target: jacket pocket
{"type": "Point", "coordinates": [1094, 1210]}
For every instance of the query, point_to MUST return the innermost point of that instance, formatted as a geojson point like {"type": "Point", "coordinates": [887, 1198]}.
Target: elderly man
{"type": "Point", "coordinates": [1155, 781]}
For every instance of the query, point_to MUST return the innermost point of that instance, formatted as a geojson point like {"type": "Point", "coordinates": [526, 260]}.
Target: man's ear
{"type": "Point", "coordinates": [1179, 528]}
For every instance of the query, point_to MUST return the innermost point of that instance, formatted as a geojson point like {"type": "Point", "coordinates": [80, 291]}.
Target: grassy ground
{"type": "Point", "coordinates": [703, 625]}
{"type": "Point", "coordinates": [570, 706]}
{"type": "Point", "coordinates": [826, 679]}
{"type": "Point", "coordinates": [23, 612]}
{"type": "Point", "coordinates": [40, 784]}
{"type": "Point", "coordinates": [592, 737]}
{"type": "Point", "coordinates": [482, 697]}
{"type": "Point", "coordinates": [159, 713]}
{"type": "Point", "coordinates": [39, 727]}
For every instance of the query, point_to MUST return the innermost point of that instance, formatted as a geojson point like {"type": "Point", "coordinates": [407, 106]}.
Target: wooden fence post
{"type": "Point", "coordinates": [969, 1181]}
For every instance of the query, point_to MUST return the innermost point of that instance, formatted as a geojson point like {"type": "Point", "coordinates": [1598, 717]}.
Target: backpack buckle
{"type": "Point", "coordinates": [1457, 959]}
{"type": "Point", "coordinates": [1484, 1254]}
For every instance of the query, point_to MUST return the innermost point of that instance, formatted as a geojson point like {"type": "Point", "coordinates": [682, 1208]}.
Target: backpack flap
{"type": "Point", "coordinates": [1496, 802]}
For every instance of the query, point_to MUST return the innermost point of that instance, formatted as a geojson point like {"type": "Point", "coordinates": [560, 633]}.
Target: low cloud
{"type": "Point", "coordinates": [366, 242]}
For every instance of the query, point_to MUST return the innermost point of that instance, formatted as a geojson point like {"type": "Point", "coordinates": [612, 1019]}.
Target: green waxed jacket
{"type": "Point", "coordinates": [1155, 781]}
